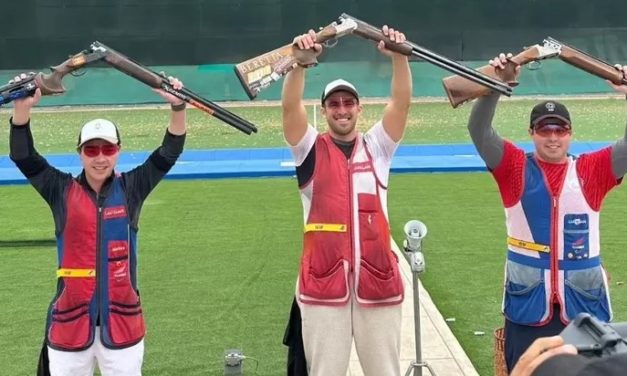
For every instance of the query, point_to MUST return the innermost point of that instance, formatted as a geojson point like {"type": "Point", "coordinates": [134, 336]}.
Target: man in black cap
{"type": "Point", "coordinates": [349, 285]}
{"type": "Point", "coordinates": [552, 202]}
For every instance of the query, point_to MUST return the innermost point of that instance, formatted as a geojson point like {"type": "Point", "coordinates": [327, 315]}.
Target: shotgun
{"type": "Point", "coordinates": [157, 81]}
{"type": "Point", "coordinates": [460, 90]}
{"type": "Point", "coordinates": [48, 83]}
{"type": "Point", "coordinates": [260, 72]}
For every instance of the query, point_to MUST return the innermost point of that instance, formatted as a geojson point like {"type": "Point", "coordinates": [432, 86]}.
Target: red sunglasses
{"type": "Point", "coordinates": [547, 130]}
{"type": "Point", "coordinates": [95, 150]}
{"type": "Point", "coordinates": [335, 104]}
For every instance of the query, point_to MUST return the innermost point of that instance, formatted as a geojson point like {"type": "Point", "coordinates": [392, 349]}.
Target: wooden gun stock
{"type": "Point", "coordinates": [461, 90]}
{"type": "Point", "coordinates": [49, 83]}
{"type": "Point", "coordinates": [260, 72]}
{"type": "Point", "coordinates": [590, 64]}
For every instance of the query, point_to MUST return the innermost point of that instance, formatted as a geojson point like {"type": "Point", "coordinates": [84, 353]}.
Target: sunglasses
{"type": "Point", "coordinates": [546, 129]}
{"type": "Point", "coordinates": [95, 150]}
{"type": "Point", "coordinates": [335, 104]}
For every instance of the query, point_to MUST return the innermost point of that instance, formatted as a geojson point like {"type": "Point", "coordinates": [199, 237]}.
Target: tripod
{"type": "Point", "coordinates": [415, 231]}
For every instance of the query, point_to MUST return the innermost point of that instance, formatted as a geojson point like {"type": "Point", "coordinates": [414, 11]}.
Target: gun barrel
{"type": "Point", "coordinates": [219, 112]}
{"type": "Point", "coordinates": [461, 70]}
{"type": "Point", "coordinates": [155, 80]}
{"type": "Point", "coordinates": [368, 31]}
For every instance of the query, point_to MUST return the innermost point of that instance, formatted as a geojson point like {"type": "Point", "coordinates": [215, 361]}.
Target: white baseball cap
{"type": "Point", "coordinates": [338, 85]}
{"type": "Point", "coordinates": [99, 129]}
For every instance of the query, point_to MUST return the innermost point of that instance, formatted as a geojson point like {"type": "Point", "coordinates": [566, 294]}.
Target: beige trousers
{"type": "Point", "coordinates": [328, 333]}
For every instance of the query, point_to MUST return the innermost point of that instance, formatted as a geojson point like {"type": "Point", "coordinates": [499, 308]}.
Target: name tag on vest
{"type": "Point", "coordinates": [114, 212]}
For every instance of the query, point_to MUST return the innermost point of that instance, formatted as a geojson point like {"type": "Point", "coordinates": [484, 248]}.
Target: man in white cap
{"type": "Point", "coordinates": [96, 315]}
{"type": "Point", "coordinates": [349, 286]}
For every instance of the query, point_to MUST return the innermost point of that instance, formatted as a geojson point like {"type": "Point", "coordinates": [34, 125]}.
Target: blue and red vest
{"type": "Point", "coordinates": [553, 252]}
{"type": "Point", "coordinates": [97, 274]}
{"type": "Point", "coordinates": [347, 242]}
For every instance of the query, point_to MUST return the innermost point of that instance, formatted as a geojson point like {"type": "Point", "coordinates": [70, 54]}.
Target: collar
{"type": "Point", "coordinates": [82, 180]}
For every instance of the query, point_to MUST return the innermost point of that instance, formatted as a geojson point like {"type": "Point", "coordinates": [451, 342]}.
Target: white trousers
{"type": "Point", "coordinates": [121, 362]}
{"type": "Point", "coordinates": [328, 333]}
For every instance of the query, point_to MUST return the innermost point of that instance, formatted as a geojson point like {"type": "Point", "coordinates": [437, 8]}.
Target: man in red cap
{"type": "Point", "coordinates": [349, 286]}
{"type": "Point", "coordinates": [96, 315]}
{"type": "Point", "coordinates": [552, 205]}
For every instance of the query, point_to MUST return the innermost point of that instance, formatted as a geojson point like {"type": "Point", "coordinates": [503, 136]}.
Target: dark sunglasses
{"type": "Point", "coordinates": [95, 150]}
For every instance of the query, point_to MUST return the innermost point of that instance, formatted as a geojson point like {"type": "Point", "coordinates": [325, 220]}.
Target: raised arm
{"type": "Point", "coordinates": [488, 143]}
{"type": "Point", "coordinates": [397, 109]}
{"type": "Point", "coordinates": [178, 117]}
{"type": "Point", "coordinates": [141, 180]}
{"type": "Point", "coordinates": [619, 149]}
{"type": "Point", "coordinates": [294, 113]}
{"type": "Point", "coordinates": [47, 180]}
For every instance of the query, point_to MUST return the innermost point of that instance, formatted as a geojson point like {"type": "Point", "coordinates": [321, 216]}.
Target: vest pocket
{"type": "Point", "coordinates": [525, 296]}
{"type": "Point", "coordinates": [69, 329]}
{"type": "Point", "coordinates": [374, 234]}
{"type": "Point", "coordinates": [121, 291]}
{"type": "Point", "coordinates": [374, 284]}
{"type": "Point", "coordinates": [126, 321]}
{"type": "Point", "coordinates": [585, 292]}
{"type": "Point", "coordinates": [69, 316]}
{"type": "Point", "coordinates": [126, 324]}
{"type": "Point", "coordinates": [330, 285]}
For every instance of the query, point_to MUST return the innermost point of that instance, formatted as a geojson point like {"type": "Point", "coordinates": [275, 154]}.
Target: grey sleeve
{"type": "Point", "coordinates": [488, 143]}
{"type": "Point", "coordinates": [619, 157]}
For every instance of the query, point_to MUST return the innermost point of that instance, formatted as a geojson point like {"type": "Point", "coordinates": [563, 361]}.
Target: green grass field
{"type": "Point", "coordinates": [218, 258]}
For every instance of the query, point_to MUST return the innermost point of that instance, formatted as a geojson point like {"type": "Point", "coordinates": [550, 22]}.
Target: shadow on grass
{"type": "Point", "coordinates": [30, 243]}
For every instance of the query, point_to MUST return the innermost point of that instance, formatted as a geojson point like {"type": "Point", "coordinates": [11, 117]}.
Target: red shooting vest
{"type": "Point", "coordinates": [97, 274]}
{"type": "Point", "coordinates": [347, 239]}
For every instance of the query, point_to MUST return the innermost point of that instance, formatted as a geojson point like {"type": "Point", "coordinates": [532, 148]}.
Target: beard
{"type": "Point", "coordinates": [342, 130]}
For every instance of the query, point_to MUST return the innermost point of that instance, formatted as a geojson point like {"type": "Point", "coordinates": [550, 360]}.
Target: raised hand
{"type": "Point", "coordinates": [499, 62]}
{"type": "Point", "coordinates": [22, 106]}
{"type": "Point", "coordinates": [620, 88]}
{"type": "Point", "coordinates": [176, 84]}
{"type": "Point", "coordinates": [394, 35]}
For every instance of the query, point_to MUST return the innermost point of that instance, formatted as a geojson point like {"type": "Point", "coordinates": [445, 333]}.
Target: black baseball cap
{"type": "Point", "coordinates": [338, 85]}
{"type": "Point", "coordinates": [549, 109]}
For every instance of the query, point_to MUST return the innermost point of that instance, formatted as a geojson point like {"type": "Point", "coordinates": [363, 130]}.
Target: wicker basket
{"type": "Point", "coordinates": [500, 368]}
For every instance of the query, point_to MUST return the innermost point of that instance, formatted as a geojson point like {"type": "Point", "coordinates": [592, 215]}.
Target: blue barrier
{"type": "Point", "coordinates": [272, 162]}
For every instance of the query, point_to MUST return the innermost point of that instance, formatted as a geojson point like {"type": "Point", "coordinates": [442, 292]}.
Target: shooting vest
{"type": "Point", "coordinates": [97, 274]}
{"type": "Point", "coordinates": [347, 239]}
{"type": "Point", "coordinates": [553, 252]}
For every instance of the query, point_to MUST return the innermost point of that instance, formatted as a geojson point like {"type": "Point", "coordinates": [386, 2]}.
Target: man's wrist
{"type": "Point", "coordinates": [178, 107]}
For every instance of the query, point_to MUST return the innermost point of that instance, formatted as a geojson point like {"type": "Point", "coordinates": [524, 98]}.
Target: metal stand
{"type": "Point", "coordinates": [412, 250]}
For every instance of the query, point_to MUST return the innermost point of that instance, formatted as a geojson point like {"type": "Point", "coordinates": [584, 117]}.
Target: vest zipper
{"type": "Point", "coordinates": [98, 265]}
{"type": "Point", "coordinates": [353, 264]}
{"type": "Point", "coordinates": [554, 257]}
